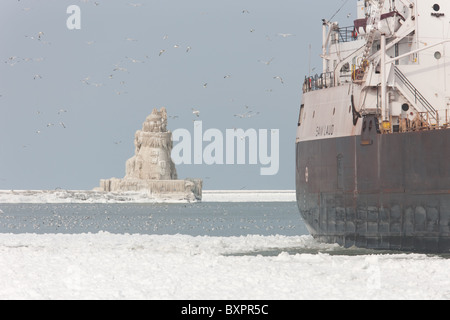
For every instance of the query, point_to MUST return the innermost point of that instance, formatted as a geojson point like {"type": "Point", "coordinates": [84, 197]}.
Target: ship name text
{"type": "Point", "coordinates": [325, 130]}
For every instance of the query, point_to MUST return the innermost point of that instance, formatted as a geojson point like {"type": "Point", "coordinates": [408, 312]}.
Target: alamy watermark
{"type": "Point", "coordinates": [74, 20]}
{"type": "Point", "coordinates": [237, 146]}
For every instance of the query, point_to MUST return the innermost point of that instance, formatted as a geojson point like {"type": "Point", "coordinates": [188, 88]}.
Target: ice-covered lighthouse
{"type": "Point", "coordinates": [151, 169]}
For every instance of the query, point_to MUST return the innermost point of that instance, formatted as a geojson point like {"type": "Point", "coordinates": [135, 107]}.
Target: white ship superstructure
{"type": "Point", "coordinates": [393, 60]}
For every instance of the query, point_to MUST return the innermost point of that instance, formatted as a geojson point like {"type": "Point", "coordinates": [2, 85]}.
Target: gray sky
{"type": "Point", "coordinates": [42, 82]}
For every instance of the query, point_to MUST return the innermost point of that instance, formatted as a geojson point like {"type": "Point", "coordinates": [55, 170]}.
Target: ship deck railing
{"type": "Point", "coordinates": [346, 34]}
{"type": "Point", "coordinates": [425, 121]}
{"type": "Point", "coordinates": [318, 82]}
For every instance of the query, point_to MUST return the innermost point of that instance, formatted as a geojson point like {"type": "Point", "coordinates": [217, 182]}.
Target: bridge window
{"type": "Point", "coordinates": [300, 117]}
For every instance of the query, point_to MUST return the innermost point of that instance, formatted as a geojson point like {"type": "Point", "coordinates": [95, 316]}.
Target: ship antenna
{"type": "Point", "coordinates": [338, 10]}
{"type": "Point", "coordinates": [309, 60]}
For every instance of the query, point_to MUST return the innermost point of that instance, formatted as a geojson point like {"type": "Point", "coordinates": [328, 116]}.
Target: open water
{"type": "Point", "coordinates": [215, 219]}
{"type": "Point", "coordinates": [196, 219]}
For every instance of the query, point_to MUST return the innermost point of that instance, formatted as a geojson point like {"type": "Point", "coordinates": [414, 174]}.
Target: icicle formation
{"type": "Point", "coordinates": [152, 160]}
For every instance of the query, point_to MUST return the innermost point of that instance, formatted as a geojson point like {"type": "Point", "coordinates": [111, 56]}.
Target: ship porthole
{"type": "Point", "coordinates": [436, 7]}
{"type": "Point", "coordinates": [437, 55]}
{"type": "Point", "coordinates": [405, 107]}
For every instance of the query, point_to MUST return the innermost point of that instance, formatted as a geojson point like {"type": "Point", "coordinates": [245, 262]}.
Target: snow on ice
{"type": "Point", "coordinates": [111, 266]}
{"type": "Point", "coordinates": [182, 267]}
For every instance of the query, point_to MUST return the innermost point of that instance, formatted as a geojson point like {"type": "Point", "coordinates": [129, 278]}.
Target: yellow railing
{"type": "Point", "coordinates": [425, 121]}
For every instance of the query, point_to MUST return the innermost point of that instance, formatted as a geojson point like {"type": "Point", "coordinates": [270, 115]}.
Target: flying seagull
{"type": "Point", "coordinates": [119, 68]}
{"type": "Point", "coordinates": [248, 114]}
{"type": "Point", "coordinates": [281, 79]}
{"type": "Point", "coordinates": [196, 112]}
{"type": "Point", "coordinates": [134, 60]}
{"type": "Point", "coordinates": [85, 80]}
{"type": "Point", "coordinates": [285, 35]}
{"type": "Point", "coordinates": [266, 62]}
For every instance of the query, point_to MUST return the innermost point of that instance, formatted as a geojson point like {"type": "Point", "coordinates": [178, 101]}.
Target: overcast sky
{"type": "Point", "coordinates": [72, 100]}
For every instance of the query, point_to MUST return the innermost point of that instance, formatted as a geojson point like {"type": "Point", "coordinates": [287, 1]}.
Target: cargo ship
{"type": "Point", "coordinates": [373, 135]}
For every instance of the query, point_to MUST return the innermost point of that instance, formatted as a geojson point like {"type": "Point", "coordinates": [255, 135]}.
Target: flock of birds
{"type": "Point", "coordinates": [122, 67]}
{"type": "Point", "coordinates": [118, 219]}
